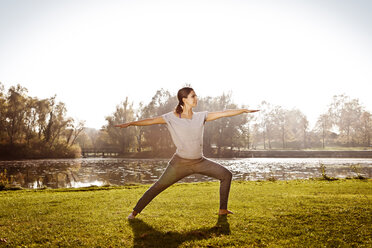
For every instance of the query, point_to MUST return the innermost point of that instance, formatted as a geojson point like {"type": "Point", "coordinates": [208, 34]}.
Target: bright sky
{"type": "Point", "coordinates": [93, 54]}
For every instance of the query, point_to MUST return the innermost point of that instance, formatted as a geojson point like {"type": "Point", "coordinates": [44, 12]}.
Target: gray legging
{"type": "Point", "coordinates": [179, 168]}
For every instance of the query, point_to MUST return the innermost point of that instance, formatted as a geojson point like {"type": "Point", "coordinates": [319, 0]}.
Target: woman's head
{"type": "Point", "coordinates": [186, 96]}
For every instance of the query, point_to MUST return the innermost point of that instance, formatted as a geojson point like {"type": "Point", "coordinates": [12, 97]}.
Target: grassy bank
{"type": "Point", "coordinates": [277, 214]}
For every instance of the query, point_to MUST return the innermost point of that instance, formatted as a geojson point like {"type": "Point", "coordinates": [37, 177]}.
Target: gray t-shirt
{"type": "Point", "coordinates": [187, 134]}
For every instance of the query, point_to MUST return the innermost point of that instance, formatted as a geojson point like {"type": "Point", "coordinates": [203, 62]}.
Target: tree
{"type": "Point", "coordinates": [221, 131]}
{"type": "Point", "coordinates": [345, 114]}
{"type": "Point", "coordinates": [323, 126]}
{"type": "Point", "coordinates": [304, 125]}
{"type": "Point", "coordinates": [124, 138]}
{"type": "Point", "coordinates": [84, 140]}
{"type": "Point", "coordinates": [3, 107]}
{"type": "Point", "coordinates": [206, 103]}
{"type": "Point", "coordinates": [57, 123]}
{"type": "Point", "coordinates": [237, 129]}
{"type": "Point", "coordinates": [282, 122]}
{"type": "Point", "coordinates": [73, 132]}
{"type": "Point", "coordinates": [32, 127]}
{"type": "Point", "coordinates": [245, 130]}
{"type": "Point", "coordinates": [270, 118]}
{"type": "Point", "coordinates": [15, 112]}
{"type": "Point", "coordinates": [139, 130]}
{"type": "Point", "coordinates": [366, 128]}
{"type": "Point", "coordinates": [43, 108]}
{"type": "Point", "coordinates": [157, 137]}
{"type": "Point", "coordinates": [297, 128]}
{"type": "Point", "coordinates": [30, 119]}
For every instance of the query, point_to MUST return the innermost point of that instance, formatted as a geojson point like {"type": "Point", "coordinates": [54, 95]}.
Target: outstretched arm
{"type": "Point", "coordinates": [226, 113]}
{"type": "Point", "coordinates": [145, 122]}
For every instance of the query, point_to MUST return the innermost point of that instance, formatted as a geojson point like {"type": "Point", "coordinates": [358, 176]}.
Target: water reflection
{"type": "Point", "coordinates": [62, 173]}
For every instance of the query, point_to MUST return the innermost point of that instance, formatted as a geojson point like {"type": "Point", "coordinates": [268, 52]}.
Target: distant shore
{"type": "Point", "coordinates": [266, 154]}
{"type": "Point", "coordinates": [305, 154]}
{"type": "Point", "coordinates": [223, 154]}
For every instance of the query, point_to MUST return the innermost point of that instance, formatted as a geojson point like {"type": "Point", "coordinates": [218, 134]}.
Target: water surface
{"type": "Point", "coordinates": [61, 173]}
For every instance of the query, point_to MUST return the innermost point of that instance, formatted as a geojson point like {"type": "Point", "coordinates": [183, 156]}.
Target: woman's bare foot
{"type": "Point", "coordinates": [224, 212]}
{"type": "Point", "coordinates": [132, 215]}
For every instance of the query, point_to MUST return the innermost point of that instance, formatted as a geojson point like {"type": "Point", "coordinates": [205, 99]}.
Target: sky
{"type": "Point", "coordinates": [93, 54]}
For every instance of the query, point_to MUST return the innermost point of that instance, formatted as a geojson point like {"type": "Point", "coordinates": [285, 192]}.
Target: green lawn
{"type": "Point", "coordinates": [299, 213]}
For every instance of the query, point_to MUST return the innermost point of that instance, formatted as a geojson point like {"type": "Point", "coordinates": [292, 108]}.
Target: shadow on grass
{"type": "Point", "coordinates": [147, 236]}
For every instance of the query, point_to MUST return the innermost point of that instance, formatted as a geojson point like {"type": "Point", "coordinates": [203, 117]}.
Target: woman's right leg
{"type": "Point", "coordinates": [173, 173]}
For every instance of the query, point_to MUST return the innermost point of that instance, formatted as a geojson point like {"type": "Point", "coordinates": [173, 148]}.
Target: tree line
{"type": "Point", "coordinates": [346, 123]}
{"type": "Point", "coordinates": [35, 128]}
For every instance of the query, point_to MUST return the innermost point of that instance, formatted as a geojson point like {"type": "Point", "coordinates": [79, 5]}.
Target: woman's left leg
{"type": "Point", "coordinates": [209, 168]}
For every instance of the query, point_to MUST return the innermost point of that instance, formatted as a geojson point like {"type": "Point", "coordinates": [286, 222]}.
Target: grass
{"type": "Point", "coordinates": [298, 213]}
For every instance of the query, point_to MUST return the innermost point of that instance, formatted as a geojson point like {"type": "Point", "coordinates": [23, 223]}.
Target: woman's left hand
{"type": "Point", "coordinates": [251, 111]}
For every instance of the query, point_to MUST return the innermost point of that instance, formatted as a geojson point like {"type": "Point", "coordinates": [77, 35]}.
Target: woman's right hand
{"type": "Point", "coordinates": [124, 125]}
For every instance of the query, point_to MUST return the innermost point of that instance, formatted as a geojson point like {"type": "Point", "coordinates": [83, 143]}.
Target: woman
{"type": "Point", "coordinates": [186, 129]}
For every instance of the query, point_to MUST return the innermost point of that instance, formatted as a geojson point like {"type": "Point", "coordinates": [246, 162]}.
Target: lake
{"type": "Point", "coordinates": [64, 173]}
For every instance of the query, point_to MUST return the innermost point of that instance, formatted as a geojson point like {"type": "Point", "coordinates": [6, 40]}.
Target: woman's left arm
{"type": "Point", "coordinates": [227, 113]}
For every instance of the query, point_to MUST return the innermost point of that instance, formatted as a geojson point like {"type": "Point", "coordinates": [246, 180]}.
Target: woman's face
{"type": "Point", "coordinates": [191, 99]}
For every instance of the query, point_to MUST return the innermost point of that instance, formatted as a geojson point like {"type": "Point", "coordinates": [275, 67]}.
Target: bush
{"type": "Point", "coordinates": [3, 180]}
{"type": "Point", "coordinates": [36, 150]}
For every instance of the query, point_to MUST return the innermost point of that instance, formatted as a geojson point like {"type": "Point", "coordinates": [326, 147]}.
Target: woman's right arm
{"type": "Point", "coordinates": [145, 122]}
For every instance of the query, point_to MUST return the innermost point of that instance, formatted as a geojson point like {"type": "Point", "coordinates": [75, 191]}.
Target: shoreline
{"type": "Point", "coordinates": [306, 154]}
{"type": "Point", "coordinates": [225, 154]}
{"type": "Point", "coordinates": [266, 154]}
